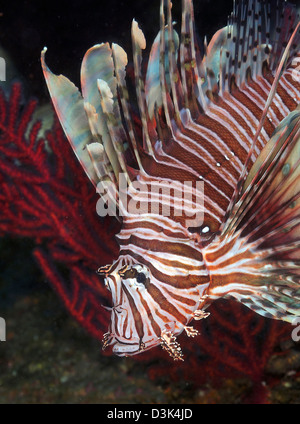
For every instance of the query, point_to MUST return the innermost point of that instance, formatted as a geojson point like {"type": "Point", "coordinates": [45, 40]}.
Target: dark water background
{"type": "Point", "coordinates": [68, 29]}
{"type": "Point", "coordinates": [48, 357]}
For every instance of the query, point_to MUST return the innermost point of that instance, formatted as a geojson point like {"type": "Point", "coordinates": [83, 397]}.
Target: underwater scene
{"type": "Point", "coordinates": [150, 204]}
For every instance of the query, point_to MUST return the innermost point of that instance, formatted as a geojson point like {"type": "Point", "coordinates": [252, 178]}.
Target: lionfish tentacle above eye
{"type": "Point", "coordinates": [225, 114]}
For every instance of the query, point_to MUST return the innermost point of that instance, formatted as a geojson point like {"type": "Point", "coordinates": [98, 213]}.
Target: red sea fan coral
{"type": "Point", "coordinates": [234, 342]}
{"type": "Point", "coordinates": [46, 196]}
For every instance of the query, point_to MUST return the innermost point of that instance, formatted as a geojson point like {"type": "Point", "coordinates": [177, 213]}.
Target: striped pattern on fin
{"type": "Point", "coordinates": [271, 96]}
{"type": "Point", "coordinates": [257, 33]}
{"type": "Point", "coordinates": [257, 257]}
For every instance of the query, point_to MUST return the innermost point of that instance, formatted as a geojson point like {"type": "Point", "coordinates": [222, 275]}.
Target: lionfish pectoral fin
{"type": "Point", "coordinates": [107, 340]}
{"type": "Point", "coordinates": [200, 314]}
{"type": "Point", "coordinates": [258, 251]}
{"type": "Point", "coordinates": [169, 343]}
{"type": "Point", "coordinates": [191, 331]}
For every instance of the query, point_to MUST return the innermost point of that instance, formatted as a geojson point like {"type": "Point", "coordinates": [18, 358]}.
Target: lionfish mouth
{"type": "Point", "coordinates": [121, 336]}
{"type": "Point", "coordinates": [167, 340]}
{"type": "Point", "coordinates": [122, 346]}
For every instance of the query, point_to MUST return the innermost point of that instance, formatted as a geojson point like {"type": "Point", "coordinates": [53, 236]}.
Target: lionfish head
{"type": "Point", "coordinates": [127, 282]}
{"type": "Point", "coordinates": [152, 301]}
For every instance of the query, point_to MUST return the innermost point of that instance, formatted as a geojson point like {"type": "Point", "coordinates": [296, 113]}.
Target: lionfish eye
{"type": "Point", "coordinates": [141, 278]}
{"type": "Point", "coordinates": [137, 272]}
{"type": "Point", "coordinates": [205, 230]}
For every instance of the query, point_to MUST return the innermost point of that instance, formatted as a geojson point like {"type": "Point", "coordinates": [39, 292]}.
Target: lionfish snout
{"type": "Point", "coordinates": [128, 332]}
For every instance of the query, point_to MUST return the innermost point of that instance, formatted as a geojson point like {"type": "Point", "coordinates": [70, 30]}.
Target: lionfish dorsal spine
{"type": "Point", "coordinates": [279, 71]}
{"type": "Point", "coordinates": [120, 63]}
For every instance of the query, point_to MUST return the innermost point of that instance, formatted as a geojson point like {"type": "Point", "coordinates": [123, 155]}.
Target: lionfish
{"type": "Point", "coordinates": [225, 114]}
